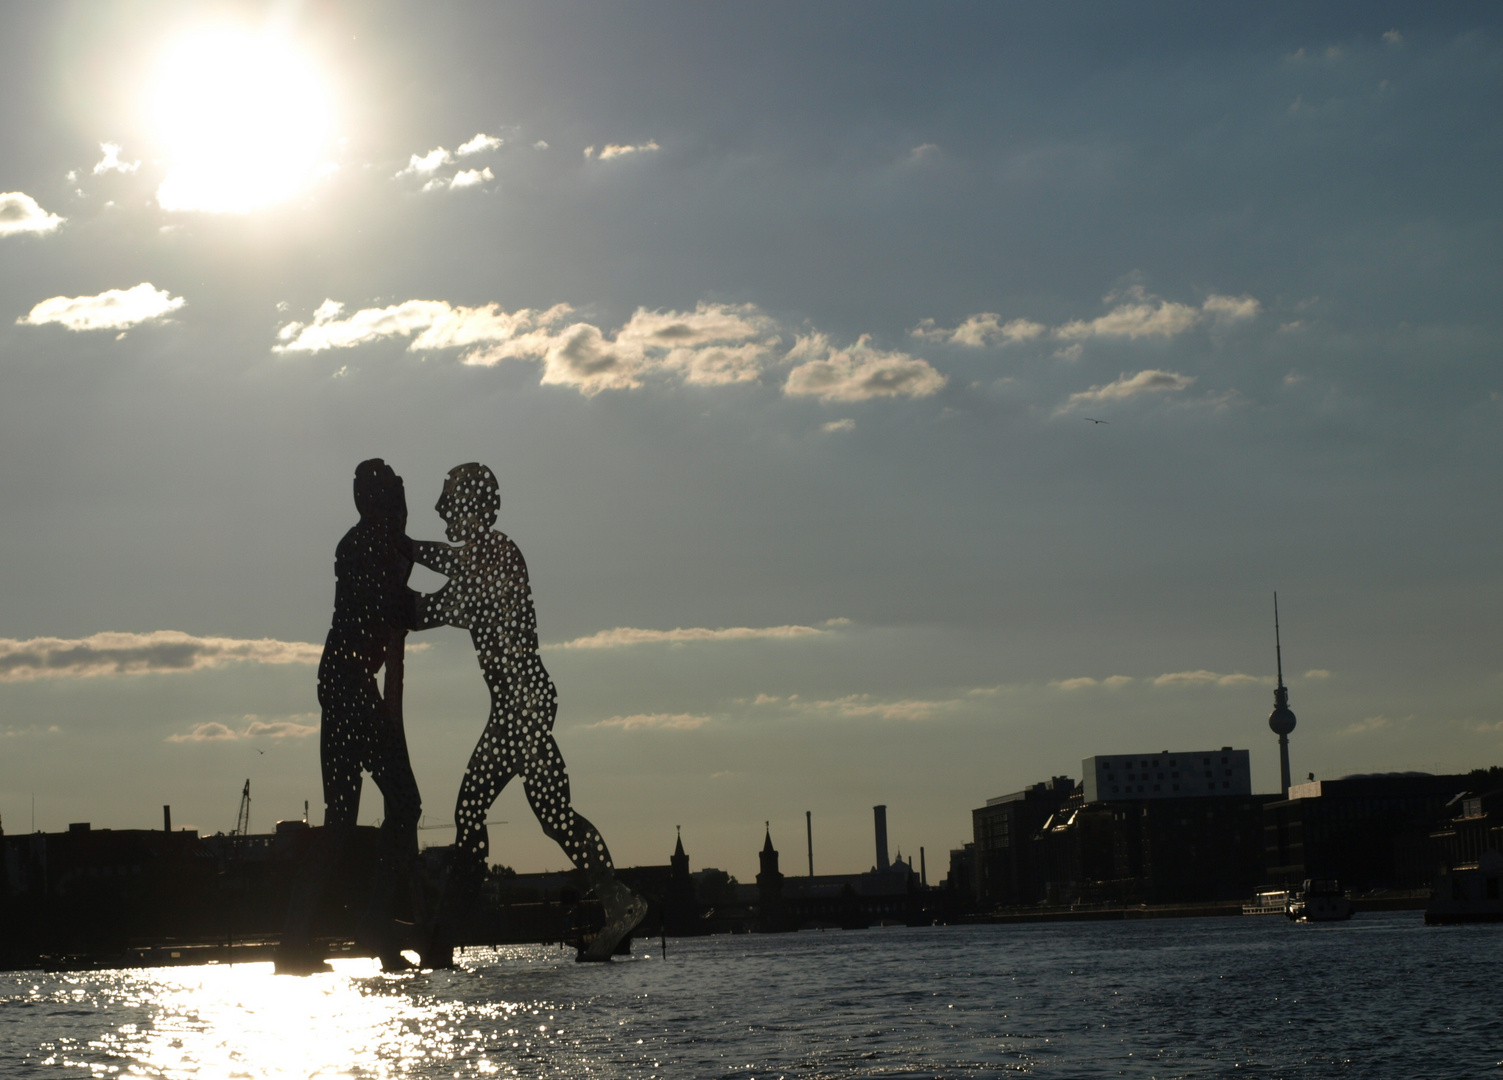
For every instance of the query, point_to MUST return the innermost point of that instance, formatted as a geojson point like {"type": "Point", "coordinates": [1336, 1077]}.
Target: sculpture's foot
{"type": "Point", "coordinates": [624, 909]}
{"type": "Point", "coordinates": [395, 963]}
{"type": "Point", "coordinates": [300, 961]}
{"type": "Point", "coordinates": [437, 951]}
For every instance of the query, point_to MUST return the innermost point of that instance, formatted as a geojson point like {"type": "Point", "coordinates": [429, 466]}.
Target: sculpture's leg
{"type": "Point", "coordinates": [345, 709]}
{"type": "Point", "coordinates": [392, 771]}
{"type": "Point", "coordinates": [547, 784]}
{"type": "Point", "coordinates": [295, 953]}
{"type": "Point", "coordinates": [490, 769]}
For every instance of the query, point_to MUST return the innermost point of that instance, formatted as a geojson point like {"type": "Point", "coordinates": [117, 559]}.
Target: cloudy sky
{"type": "Point", "coordinates": [784, 329]}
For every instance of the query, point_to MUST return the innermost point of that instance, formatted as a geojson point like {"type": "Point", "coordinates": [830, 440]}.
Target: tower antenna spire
{"type": "Point", "coordinates": [1278, 649]}
{"type": "Point", "coordinates": [1281, 720]}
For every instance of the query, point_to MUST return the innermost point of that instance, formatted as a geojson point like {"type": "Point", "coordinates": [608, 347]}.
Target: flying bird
{"type": "Point", "coordinates": [1093, 420]}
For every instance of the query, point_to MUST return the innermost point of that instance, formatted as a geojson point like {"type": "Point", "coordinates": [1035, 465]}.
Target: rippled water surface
{"type": "Point", "coordinates": [1381, 996]}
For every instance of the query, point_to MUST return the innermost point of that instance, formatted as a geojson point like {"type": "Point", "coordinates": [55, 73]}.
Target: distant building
{"type": "Point", "coordinates": [961, 879]}
{"type": "Point", "coordinates": [1004, 830]}
{"type": "Point", "coordinates": [1170, 827]}
{"type": "Point", "coordinates": [771, 915]}
{"type": "Point", "coordinates": [1165, 775]}
{"type": "Point", "coordinates": [1156, 851]}
{"type": "Point", "coordinates": [1470, 826]}
{"type": "Point", "coordinates": [1369, 832]}
{"type": "Point", "coordinates": [891, 896]}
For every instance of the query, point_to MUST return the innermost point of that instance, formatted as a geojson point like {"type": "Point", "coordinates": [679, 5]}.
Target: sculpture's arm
{"type": "Point", "coordinates": [442, 608]}
{"type": "Point", "coordinates": [436, 556]}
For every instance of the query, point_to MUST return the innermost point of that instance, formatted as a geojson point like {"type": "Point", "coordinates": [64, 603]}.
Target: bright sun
{"type": "Point", "coordinates": [245, 119]}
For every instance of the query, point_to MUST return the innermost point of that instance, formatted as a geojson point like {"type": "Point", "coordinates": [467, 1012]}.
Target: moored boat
{"type": "Point", "coordinates": [1267, 902]}
{"type": "Point", "coordinates": [1319, 901]}
{"type": "Point", "coordinates": [1469, 893]}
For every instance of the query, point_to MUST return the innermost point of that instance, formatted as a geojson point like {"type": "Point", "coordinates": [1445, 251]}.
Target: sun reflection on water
{"type": "Point", "coordinates": [247, 1022]}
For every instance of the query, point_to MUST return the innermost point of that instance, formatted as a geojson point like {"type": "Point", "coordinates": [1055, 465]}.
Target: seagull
{"type": "Point", "coordinates": [1093, 420]}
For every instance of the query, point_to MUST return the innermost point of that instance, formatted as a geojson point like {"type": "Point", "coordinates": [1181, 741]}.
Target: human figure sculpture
{"type": "Point", "coordinates": [361, 728]}
{"type": "Point", "coordinates": [488, 594]}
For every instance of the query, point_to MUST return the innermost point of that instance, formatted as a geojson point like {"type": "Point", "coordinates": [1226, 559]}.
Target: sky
{"type": "Point", "coordinates": [894, 403]}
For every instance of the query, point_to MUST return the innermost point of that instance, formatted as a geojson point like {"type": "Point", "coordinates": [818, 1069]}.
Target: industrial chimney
{"type": "Point", "coordinates": [879, 814]}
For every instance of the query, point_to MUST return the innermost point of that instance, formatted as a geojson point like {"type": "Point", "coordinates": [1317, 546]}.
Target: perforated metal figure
{"type": "Point", "coordinates": [361, 729]}
{"type": "Point", "coordinates": [488, 594]}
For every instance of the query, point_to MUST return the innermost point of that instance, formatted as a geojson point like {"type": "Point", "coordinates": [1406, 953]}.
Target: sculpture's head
{"type": "Point", "coordinates": [470, 500]}
{"type": "Point", "coordinates": [379, 493]}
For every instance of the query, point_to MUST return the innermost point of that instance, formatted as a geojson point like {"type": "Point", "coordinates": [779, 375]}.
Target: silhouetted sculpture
{"type": "Point", "coordinates": [488, 594]}
{"type": "Point", "coordinates": [361, 728]}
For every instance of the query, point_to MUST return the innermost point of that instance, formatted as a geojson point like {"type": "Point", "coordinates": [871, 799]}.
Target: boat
{"type": "Point", "coordinates": [1468, 893]}
{"type": "Point", "coordinates": [1318, 901]}
{"type": "Point", "coordinates": [1267, 902]}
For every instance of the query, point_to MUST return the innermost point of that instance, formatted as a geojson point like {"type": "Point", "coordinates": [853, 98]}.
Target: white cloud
{"type": "Point", "coordinates": [251, 727]}
{"type": "Point", "coordinates": [111, 161]}
{"type": "Point", "coordinates": [1134, 320]}
{"type": "Point", "coordinates": [479, 144]}
{"type": "Point", "coordinates": [433, 324]}
{"type": "Point", "coordinates": [540, 145]}
{"type": "Point", "coordinates": [1084, 681]}
{"type": "Point", "coordinates": [707, 346]}
{"type": "Point", "coordinates": [282, 729]}
{"type": "Point", "coordinates": [1126, 386]}
{"type": "Point", "coordinates": [1145, 316]}
{"type": "Point", "coordinates": [579, 356]}
{"type": "Point", "coordinates": [923, 151]}
{"type": "Point", "coordinates": [130, 654]}
{"type": "Point", "coordinates": [1317, 673]}
{"type": "Point", "coordinates": [1231, 309]}
{"type": "Point", "coordinates": [426, 164]}
{"type": "Point", "coordinates": [114, 309]}
{"type": "Point", "coordinates": [1366, 725]}
{"type": "Point", "coordinates": [706, 324]}
{"type": "Point", "coordinates": [846, 424]}
{"type": "Point", "coordinates": [1078, 683]}
{"type": "Point", "coordinates": [470, 177]}
{"type": "Point", "coordinates": [1393, 37]}
{"type": "Point", "coordinates": [20, 213]}
{"type": "Point", "coordinates": [614, 150]}
{"type": "Point", "coordinates": [1208, 678]}
{"type": "Point", "coordinates": [1138, 315]}
{"type": "Point", "coordinates": [858, 373]}
{"type": "Point", "coordinates": [210, 732]}
{"type": "Point", "coordinates": [713, 345]}
{"type": "Point", "coordinates": [630, 635]}
{"type": "Point", "coordinates": [654, 722]}
{"type": "Point", "coordinates": [866, 707]}
{"type": "Point", "coordinates": [985, 328]}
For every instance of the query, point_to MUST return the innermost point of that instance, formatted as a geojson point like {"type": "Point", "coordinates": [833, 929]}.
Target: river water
{"type": "Point", "coordinates": [1380, 996]}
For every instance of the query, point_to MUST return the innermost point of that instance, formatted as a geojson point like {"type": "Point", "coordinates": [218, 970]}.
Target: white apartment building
{"type": "Point", "coordinates": [1165, 775]}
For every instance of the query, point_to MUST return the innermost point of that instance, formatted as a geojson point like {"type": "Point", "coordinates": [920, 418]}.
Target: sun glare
{"type": "Point", "coordinates": [245, 119]}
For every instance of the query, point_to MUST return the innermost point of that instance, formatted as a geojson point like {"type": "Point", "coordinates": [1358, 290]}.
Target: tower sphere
{"type": "Point", "coordinates": [1281, 720]}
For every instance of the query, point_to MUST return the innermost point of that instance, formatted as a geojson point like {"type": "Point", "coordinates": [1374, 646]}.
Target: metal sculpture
{"type": "Point", "coordinates": [361, 727]}
{"type": "Point", "coordinates": [488, 594]}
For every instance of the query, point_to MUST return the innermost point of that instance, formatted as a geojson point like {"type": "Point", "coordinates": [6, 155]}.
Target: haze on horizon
{"type": "Point", "coordinates": [780, 327]}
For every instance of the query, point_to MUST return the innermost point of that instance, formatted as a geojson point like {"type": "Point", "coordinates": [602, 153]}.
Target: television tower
{"type": "Point", "coordinates": [1281, 719]}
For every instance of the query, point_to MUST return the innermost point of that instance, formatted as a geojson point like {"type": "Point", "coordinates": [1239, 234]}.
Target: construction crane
{"type": "Point", "coordinates": [242, 820]}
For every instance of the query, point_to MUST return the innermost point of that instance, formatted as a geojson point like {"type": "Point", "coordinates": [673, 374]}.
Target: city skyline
{"type": "Point", "coordinates": [893, 405]}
